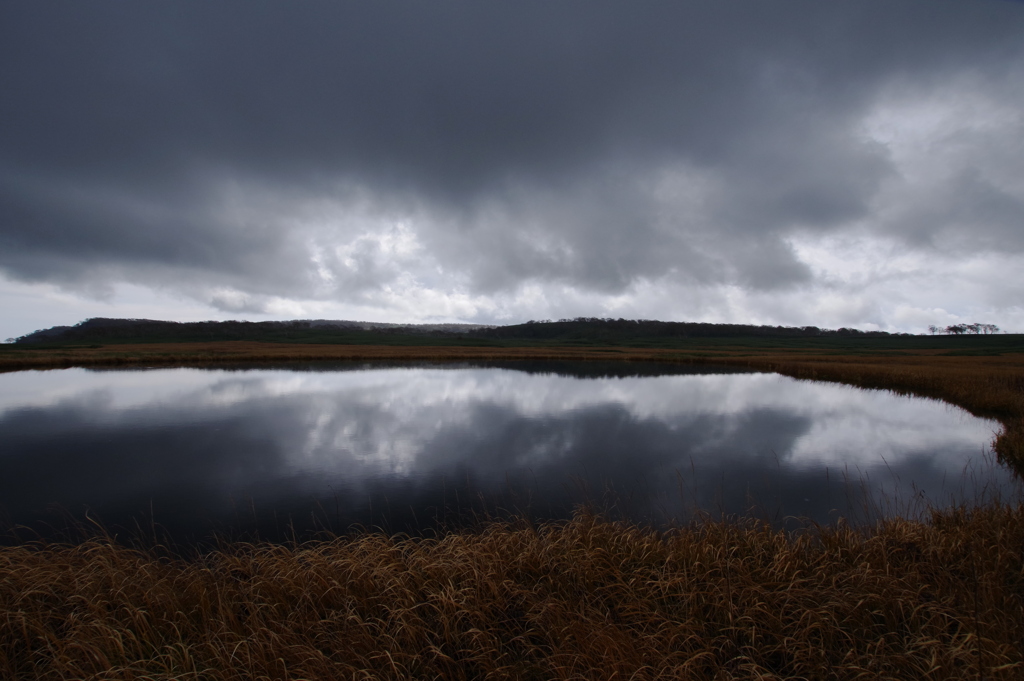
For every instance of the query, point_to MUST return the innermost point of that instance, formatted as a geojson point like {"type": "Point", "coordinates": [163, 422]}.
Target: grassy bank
{"type": "Point", "coordinates": [940, 599]}
{"type": "Point", "coordinates": [586, 599]}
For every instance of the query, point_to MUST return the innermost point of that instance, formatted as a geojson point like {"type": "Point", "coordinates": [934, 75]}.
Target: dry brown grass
{"type": "Point", "coordinates": [175, 354]}
{"type": "Point", "coordinates": [586, 599]}
{"type": "Point", "coordinates": [940, 599]}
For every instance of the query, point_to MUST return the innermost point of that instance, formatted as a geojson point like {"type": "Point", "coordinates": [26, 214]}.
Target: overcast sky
{"type": "Point", "coordinates": [760, 161]}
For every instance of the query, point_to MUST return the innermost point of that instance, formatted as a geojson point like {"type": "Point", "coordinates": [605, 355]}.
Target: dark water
{"type": "Point", "coordinates": [187, 452]}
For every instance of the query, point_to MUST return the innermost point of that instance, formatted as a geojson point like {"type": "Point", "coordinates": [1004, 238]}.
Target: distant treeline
{"type": "Point", "coordinates": [594, 328]}
{"type": "Point", "coordinates": [960, 329]}
{"type": "Point", "coordinates": [100, 330]}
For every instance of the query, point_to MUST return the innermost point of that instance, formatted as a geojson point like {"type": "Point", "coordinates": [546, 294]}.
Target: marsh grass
{"type": "Point", "coordinates": [939, 595]}
{"type": "Point", "coordinates": [583, 599]}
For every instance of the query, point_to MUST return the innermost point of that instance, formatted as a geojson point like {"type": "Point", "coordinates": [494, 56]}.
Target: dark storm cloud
{"type": "Point", "coordinates": [530, 136]}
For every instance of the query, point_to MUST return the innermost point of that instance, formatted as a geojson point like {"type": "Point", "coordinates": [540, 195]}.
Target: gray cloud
{"type": "Point", "coordinates": [340, 151]}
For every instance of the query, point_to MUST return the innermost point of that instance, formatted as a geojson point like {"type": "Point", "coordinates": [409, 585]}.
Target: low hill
{"type": "Point", "coordinates": [579, 332]}
{"type": "Point", "coordinates": [102, 330]}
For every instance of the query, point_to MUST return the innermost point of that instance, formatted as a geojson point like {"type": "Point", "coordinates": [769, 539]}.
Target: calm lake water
{"type": "Point", "coordinates": [195, 451]}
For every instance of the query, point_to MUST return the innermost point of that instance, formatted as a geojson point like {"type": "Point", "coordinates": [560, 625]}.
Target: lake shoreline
{"type": "Point", "coordinates": [588, 598]}
{"type": "Point", "coordinates": [986, 385]}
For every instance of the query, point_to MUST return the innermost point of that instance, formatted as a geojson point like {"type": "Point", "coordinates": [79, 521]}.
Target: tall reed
{"type": "Point", "coordinates": [941, 598]}
{"type": "Point", "coordinates": [585, 599]}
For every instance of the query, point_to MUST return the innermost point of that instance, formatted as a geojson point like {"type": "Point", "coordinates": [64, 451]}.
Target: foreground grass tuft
{"type": "Point", "coordinates": [586, 599]}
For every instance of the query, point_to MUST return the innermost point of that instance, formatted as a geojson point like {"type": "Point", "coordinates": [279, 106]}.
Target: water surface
{"type": "Point", "coordinates": [192, 451]}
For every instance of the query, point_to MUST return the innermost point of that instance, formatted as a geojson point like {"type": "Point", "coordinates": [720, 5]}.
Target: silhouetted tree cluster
{"type": "Point", "coordinates": [961, 329]}
{"type": "Point", "coordinates": [606, 329]}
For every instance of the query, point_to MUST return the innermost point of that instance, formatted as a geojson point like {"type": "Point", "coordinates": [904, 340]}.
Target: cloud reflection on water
{"type": "Point", "coordinates": [384, 445]}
